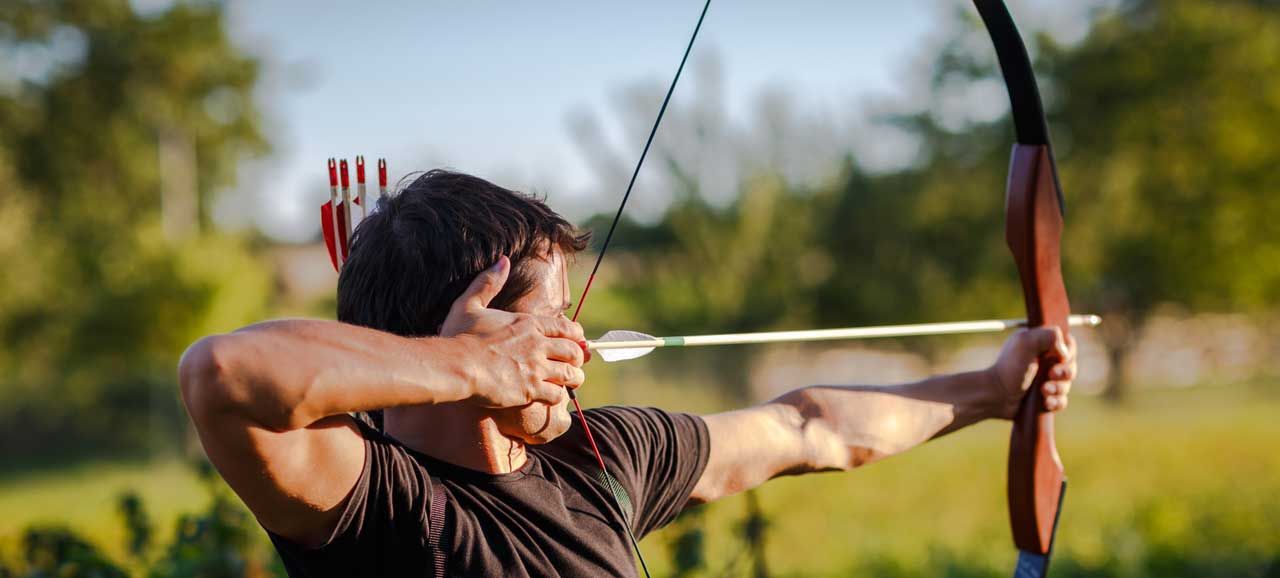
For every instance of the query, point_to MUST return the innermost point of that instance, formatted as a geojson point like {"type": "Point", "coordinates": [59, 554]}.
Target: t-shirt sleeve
{"type": "Point", "coordinates": [383, 524]}
{"type": "Point", "coordinates": [657, 456]}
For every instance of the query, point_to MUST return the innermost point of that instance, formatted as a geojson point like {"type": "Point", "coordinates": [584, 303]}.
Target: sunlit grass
{"type": "Point", "coordinates": [86, 498]}
{"type": "Point", "coordinates": [1155, 472]}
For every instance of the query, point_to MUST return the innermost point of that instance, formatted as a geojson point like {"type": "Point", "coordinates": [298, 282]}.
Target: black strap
{"type": "Point", "coordinates": [436, 528]}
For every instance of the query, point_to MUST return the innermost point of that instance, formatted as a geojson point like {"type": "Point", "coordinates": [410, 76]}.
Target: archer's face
{"type": "Point", "coordinates": [540, 422]}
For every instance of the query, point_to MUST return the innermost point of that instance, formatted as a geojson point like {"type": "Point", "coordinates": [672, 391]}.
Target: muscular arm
{"type": "Point", "coordinates": [288, 374]}
{"type": "Point", "coordinates": [270, 404]}
{"type": "Point", "coordinates": [270, 401]}
{"type": "Point", "coordinates": [825, 428]}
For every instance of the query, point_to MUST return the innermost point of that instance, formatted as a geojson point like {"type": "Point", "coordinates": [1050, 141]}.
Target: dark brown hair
{"type": "Point", "coordinates": [421, 248]}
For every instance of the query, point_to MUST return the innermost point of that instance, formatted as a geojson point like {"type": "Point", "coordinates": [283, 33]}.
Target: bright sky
{"type": "Point", "coordinates": [488, 87]}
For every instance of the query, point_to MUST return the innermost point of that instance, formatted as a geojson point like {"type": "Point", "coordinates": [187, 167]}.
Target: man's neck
{"type": "Point", "coordinates": [459, 435]}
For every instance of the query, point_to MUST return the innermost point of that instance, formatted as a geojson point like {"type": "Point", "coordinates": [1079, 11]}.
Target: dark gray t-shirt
{"type": "Point", "coordinates": [552, 517]}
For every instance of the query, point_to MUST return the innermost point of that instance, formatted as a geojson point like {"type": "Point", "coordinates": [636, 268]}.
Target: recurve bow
{"type": "Point", "coordinates": [1033, 226]}
{"type": "Point", "coordinates": [1033, 230]}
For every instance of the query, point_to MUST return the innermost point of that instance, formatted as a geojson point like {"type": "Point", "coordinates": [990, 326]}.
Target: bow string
{"type": "Point", "coordinates": [614, 487]}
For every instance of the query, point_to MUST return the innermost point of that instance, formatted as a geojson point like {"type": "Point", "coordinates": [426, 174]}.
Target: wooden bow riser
{"type": "Point", "coordinates": [1033, 231]}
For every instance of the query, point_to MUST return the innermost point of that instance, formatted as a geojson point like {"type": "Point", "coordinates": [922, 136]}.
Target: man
{"type": "Point", "coordinates": [451, 310]}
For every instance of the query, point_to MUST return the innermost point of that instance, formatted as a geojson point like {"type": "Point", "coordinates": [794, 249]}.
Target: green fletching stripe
{"type": "Point", "coordinates": [673, 341]}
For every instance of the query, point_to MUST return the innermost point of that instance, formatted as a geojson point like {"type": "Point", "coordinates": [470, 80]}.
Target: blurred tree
{"type": "Point", "coordinates": [138, 527]}
{"type": "Point", "coordinates": [735, 248]}
{"type": "Point", "coordinates": [1168, 113]}
{"type": "Point", "coordinates": [1163, 117]}
{"type": "Point", "coordinates": [224, 541]}
{"type": "Point", "coordinates": [926, 242]}
{"type": "Point", "coordinates": [743, 267]}
{"type": "Point", "coordinates": [115, 130]}
{"type": "Point", "coordinates": [56, 551]}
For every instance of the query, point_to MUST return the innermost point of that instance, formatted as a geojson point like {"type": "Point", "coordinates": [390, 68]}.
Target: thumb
{"type": "Point", "coordinates": [1046, 340]}
{"type": "Point", "coordinates": [487, 285]}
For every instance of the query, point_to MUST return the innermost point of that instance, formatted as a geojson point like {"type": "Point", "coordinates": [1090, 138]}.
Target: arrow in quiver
{"type": "Point", "coordinates": [337, 214]}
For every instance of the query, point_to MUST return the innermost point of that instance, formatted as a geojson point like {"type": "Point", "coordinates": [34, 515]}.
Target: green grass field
{"type": "Point", "coordinates": [85, 498]}
{"type": "Point", "coordinates": [1179, 483]}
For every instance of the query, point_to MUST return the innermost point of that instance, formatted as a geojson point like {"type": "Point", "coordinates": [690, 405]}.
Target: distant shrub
{"type": "Point", "coordinates": [220, 542]}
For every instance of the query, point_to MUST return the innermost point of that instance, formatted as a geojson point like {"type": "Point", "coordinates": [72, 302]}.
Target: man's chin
{"type": "Point", "coordinates": [536, 423]}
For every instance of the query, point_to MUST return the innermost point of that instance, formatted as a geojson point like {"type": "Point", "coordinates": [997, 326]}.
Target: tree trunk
{"type": "Point", "coordinates": [1118, 333]}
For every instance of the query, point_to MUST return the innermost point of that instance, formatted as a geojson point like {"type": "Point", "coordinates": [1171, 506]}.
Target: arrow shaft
{"type": "Point", "coordinates": [883, 331]}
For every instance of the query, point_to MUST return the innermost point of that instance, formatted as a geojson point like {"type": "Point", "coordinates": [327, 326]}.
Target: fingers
{"type": "Point", "coordinates": [1058, 386]}
{"type": "Point", "coordinates": [564, 338]}
{"type": "Point", "coordinates": [552, 378]}
{"type": "Point", "coordinates": [560, 327]}
{"type": "Point", "coordinates": [485, 286]}
{"type": "Point", "coordinates": [566, 351]}
{"type": "Point", "coordinates": [547, 392]}
{"type": "Point", "coordinates": [565, 375]}
{"type": "Point", "coordinates": [1065, 368]}
{"type": "Point", "coordinates": [1055, 395]}
{"type": "Point", "coordinates": [546, 383]}
{"type": "Point", "coordinates": [1055, 403]}
{"type": "Point", "coordinates": [563, 367]}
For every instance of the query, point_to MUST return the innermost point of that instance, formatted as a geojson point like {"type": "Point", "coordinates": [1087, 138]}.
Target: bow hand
{"type": "Point", "coordinates": [1015, 369]}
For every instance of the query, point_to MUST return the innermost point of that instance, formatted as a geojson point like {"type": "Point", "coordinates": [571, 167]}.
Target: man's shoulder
{"type": "Point", "coordinates": [608, 424]}
{"type": "Point", "coordinates": [615, 422]}
{"type": "Point", "coordinates": [628, 428]}
{"type": "Point", "coordinates": [625, 416]}
{"type": "Point", "coordinates": [615, 414]}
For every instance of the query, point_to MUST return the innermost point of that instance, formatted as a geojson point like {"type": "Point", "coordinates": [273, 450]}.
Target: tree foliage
{"type": "Point", "coordinates": [98, 297]}
{"type": "Point", "coordinates": [1173, 161]}
{"type": "Point", "coordinates": [1163, 118]}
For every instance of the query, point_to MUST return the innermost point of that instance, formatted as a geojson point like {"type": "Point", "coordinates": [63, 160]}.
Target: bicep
{"type": "Point", "coordinates": [295, 482]}
{"type": "Point", "coordinates": [749, 447]}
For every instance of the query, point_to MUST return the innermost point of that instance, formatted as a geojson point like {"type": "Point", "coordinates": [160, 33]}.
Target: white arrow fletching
{"type": "Point", "coordinates": [625, 335]}
{"type": "Point", "coordinates": [603, 346]}
{"type": "Point", "coordinates": [612, 355]}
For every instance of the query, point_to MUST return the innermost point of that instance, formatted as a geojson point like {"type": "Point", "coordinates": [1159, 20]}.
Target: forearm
{"type": "Point", "coordinates": [288, 374]}
{"type": "Point", "coordinates": [823, 428]}
{"type": "Point", "coordinates": [843, 427]}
